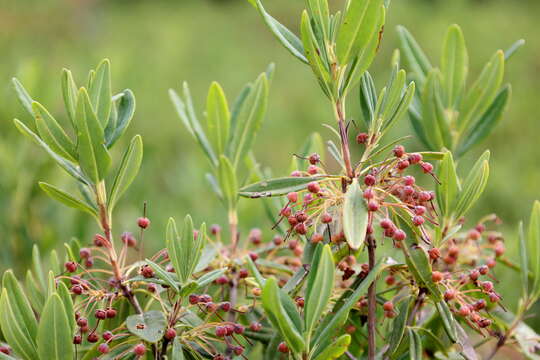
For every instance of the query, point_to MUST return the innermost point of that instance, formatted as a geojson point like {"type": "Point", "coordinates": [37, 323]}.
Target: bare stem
{"type": "Point", "coordinates": [233, 227]}
{"type": "Point", "coordinates": [372, 301]}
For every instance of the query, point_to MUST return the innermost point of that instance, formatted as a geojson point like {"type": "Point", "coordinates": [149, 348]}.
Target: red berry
{"type": "Point", "coordinates": [77, 339]}
{"type": "Point", "coordinates": [111, 313]}
{"type": "Point", "coordinates": [128, 239]}
{"type": "Point", "coordinates": [434, 253]}
{"type": "Point", "coordinates": [205, 298]}
{"type": "Point", "coordinates": [296, 173]}
{"type": "Point", "coordinates": [409, 180]}
{"type": "Point", "coordinates": [92, 337]}
{"type": "Point", "coordinates": [283, 348]}
{"type": "Point", "coordinates": [415, 158]}
{"type": "Point", "coordinates": [373, 205]}
{"type": "Point", "coordinates": [103, 348]}
{"type": "Point", "coordinates": [243, 273]}
{"type": "Point", "coordinates": [147, 271]}
{"type": "Point", "coordinates": [418, 220]}
{"type": "Point", "coordinates": [170, 334]}
{"type": "Point", "coordinates": [215, 229]}
{"type": "Point", "coordinates": [419, 210]}
{"type": "Point", "coordinates": [301, 216]}
{"type": "Point", "coordinates": [300, 229]}
{"type": "Point", "coordinates": [313, 187]}
{"type": "Point", "coordinates": [77, 289]}
{"type": "Point", "coordinates": [449, 294]}
{"type": "Point", "coordinates": [465, 310]}
{"type": "Point", "coordinates": [399, 151]}
{"type": "Point", "coordinates": [193, 299]}
{"type": "Point", "coordinates": [487, 286]}
{"type": "Point", "coordinates": [70, 266]}
{"type": "Point", "coordinates": [362, 138]}
{"type": "Point", "coordinates": [424, 196]}
{"type": "Point", "coordinates": [390, 280]}
{"type": "Point", "coordinates": [386, 223]}
{"type": "Point", "coordinates": [399, 235]}
{"type": "Point", "coordinates": [99, 240]}
{"type": "Point", "coordinates": [426, 167]}
{"type": "Point", "coordinates": [277, 240]}
{"type": "Point", "coordinates": [225, 306]}
{"type": "Point", "coordinates": [151, 287]}
{"type": "Point", "coordinates": [82, 322]}
{"type": "Point", "coordinates": [300, 302]}
{"type": "Point", "coordinates": [474, 234]}
{"type": "Point", "coordinates": [238, 350]}
{"type": "Point", "coordinates": [388, 306]}
{"type": "Point", "coordinates": [292, 220]}
{"type": "Point", "coordinates": [484, 269]}
{"type": "Point", "coordinates": [491, 263]}
{"type": "Point", "coordinates": [107, 335]}
{"type": "Point", "coordinates": [314, 159]}
{"type": "Point", "coordinates": [474, 275]}
{"type": "Point", "coordinates": [255, 326]}
{"type": "Point", "coordinates": [253, 256]}
{"type": "Point", "coordinates": [370, 180]}
{"type": "Point", "coordinates": [84, 253]}
{"type": "Point", "coordinates": [436, 276]}
{"type": "Point", "coordinates": [480, 304]}
{"type": "Point", "coordinates": [100, 314]}
{"type": "Point", "coordinates": [326, 218]}
{"type": "Point", "coordinates": [403, 164]}
{"type": "Point", "coordinates": [139, 349]}
{"type": "Point", "coordinates": [88, 263]}
{"type": "Point", "coordinates": [312, 170]}
{"type": "Point", "coordinates": [238, 329]}
{"type": "Point", "coordinates": [143, 222]}
{"type": "Point", "coordinates": [390, 314]}
{"type": "Point", "coordinates": [316, 238]}
{"type": "Point", "coordinates": [494, 297]}
{"type": "Point", "coordinates": [222, 280]}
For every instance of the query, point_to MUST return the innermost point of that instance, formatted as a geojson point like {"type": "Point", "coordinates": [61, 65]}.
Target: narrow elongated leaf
{"type": "Point", "coordinates": [336, 349]}
{"type": "Point", "coordinates": [368, 97]}
{"type": "Point", "coordinates": [37, 267]}
{"type": "Point", "coordinates": [317, 64]}
{"type": "Point", "coordinates": [524, 261]}
{"type": "Point", "coordinates": [448, 189]}
{"type": "Point", "coordinates": [66, 199]}
{"type": "Point", "coordinates": [393, 95]}
{"type": "Point", "coordinates": [177, 352]}
{"type": "Point", "coordinates": [54, 336]}
{"type": "Point", "coordinates": [533, 245]}
{"type": "Point", "coordinates": [125, 108]}
{"type": "Point", "coordinates": [483, 91]}
{"type": "Point", "coordinates": [415, 345]}
{"type": "Point", "coordinates": [100, 92]}
{"type": "Point", "coordinates": [449, 323]}
{"type": "Point", "coordinates": [23, 96]}
{"type": "Point", "coordinates": [93, 155]}
{"type": "Point", "coordinates": [218, 117]}
{"type": "Point", "coordinates": [184, 251]}
{"type": "Point", "coordinates": [320, 14]}
{"type": "Point", "coordinates": [357, 28]}
{"type": "Point", "coordinates": [69, 93]}
{"type": "Point", "coordinates": [414, 54]}
{"type": "Point", "coordinates": [513, 49]}
{"type": "Point", "coordinates": [418, 262]}
{"type": "Point", "coordinates": [35, 295]}
{"type": "Point", "coordinates": [402, 107]}
{"type": "Point", "coordinates": [290, 41]}
{"type": "Point", "coordinates": [398, 326]}
{"type": "Point", "coordinates": [149, 326]}
{"type": "Point", "coordinates": [272, 304]}
{"type": "Point", "coordinates": [127, 171]}
{"type": "Point", "coordinates": [227, 182]}
{"type": "Point", "coordinates": [319, 287]}
{"type": "Point", "coordinates": [19, 303]}
{"type": "Point", "coordinates": [63, 163]}
{"type": "Point", "coordinates": [485, 124]}
{"type": "Point", "coordinates": [277, 187]}
{"type": "Point", "coordinates": [248, 121]}
{"type": "Point", "coordinates": [433, 115]}
{"type": "Point", "coordinates": [52, 133]}
{"type": "Point", "coordinates": [355, 216]}
{"type": "Point", "coordinates": [474, 185]}
{"type": "Point", "coordinates": [67, 301]}
{"type": "Point", "coordinates": [454, 65]}
{"type": "Point", "coordinates": [163, 275]}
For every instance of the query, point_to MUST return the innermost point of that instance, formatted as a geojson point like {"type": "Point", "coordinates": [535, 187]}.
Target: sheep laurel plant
{"type": "Point", "coordinates": [374, 260]}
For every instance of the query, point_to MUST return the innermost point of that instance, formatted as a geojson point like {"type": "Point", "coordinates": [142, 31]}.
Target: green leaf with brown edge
{"type": "Point", "coordinates": [398, 326]}
{"type": "Point", "coordinates": [415, 344]}
{"type": "Point", "coordinates": [473, 186]}
{"type": "Point", "coordinates": [277, 186]}
{"type": "Point", "coordinates": [273, 307]}
{"type": "Point", "coordinates": [414, 54]}
{"type": "Point", "coordinates": [289, 40]}
{"type": "Point", "coordinates": [319, 287]}
{"type": "Point", "coordinates": [100, 92]}
{"type": "Point", "coordinates": [228, 182]}
{"type": "Point", "coordinates": [94, 158]}
{"type": "Point", "coordinates": [54, 337]}
{"type": "Point", "coordinates": [485, 124]}
{"type": "Point", "coordinates": [448, 189]}
{"type": "Point", "coordinates": [357, 28]}
{"type": "Point", "coordinates": [355, 216]}
{"type": "Point", "coordinates": [449, 323]}
{"type": "Point", "coordinates": [218, 117]}
{"type": "Point", "coordinates": [127, 171]}
{"type": "Point", "coordinates": [67, 199]}
{"type": "Point", "coordinates": [454, 66]}
{"type": "Point", "coordinates": [125, 108]}
{"type": "Point", "coordinates": [336, 349]}
{"type": "Point", "coordinates": [53, 134]}
{"type": "Point", "coordinates": [533, 246]}
{"type": "Point", "coordinates": [149, 326]}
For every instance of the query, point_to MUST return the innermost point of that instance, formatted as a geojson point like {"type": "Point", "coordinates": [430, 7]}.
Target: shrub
{"type": "Point", "coordinates": [361, 244]}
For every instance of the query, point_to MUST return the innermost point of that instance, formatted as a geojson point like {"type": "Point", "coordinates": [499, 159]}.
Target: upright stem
{"type": "Point", "coordinates": [340, 113]}
{"type": "Point", "coordinates": [233, 228]}
{"type": "Point", "coordinates": [372, 301]}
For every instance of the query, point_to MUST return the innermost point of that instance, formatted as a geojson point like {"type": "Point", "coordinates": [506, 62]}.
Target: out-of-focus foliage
{"type": "Point", "coordinates": [152, 44]}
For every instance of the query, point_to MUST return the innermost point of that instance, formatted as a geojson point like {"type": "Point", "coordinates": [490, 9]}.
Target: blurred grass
{"type": "Point", "coordinates": [154, 45]}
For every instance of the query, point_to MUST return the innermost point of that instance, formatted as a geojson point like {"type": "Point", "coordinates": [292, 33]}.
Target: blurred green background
{"type": "Point", "coordinates": [156, 44]}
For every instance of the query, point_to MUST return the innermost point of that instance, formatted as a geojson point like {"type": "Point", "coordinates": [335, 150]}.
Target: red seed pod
{"type": "Point", "coordinates": [70, 266]}
{"type": "Point", "coordinates": [255, 326]}
{"type": "Point", "coordinates": [99, 240]}
{"type": "Point", "coordinates": [238, 329]}
{"type": "Point", "coordinates": [77, 339]}
{"type": "Point", "coordinates": [92, 337]}
{"type": "Point", "coordinates": [128, 239]}
{"type": "Point", "coordinates": [434, 253]}
{"type": "Point", "coordinates": [480, 228]}
{"type": "Point", "coordinates": [301, 216]}
{"type": "Point", "coordinates": [436, 276]}
{"type": "Point", "coordinates": [253, 256]}
{"type": "Point", "coordinates": [449, 294]}
{"type": "Point", "coordinates": [491, 263]}
{"type": "Point", "coordinates": [418, 220]}
{"type": "Point", "coordinates": [474, 234]}
{"type": "Point", "coordinates": [85, 253]}
{"type": "Point", "coordinates": [494, 297]}
{"type": "Point", "coordinates": [111, 313]}
{"type": "Point", "coordinates": [314, 159]}
{"type": "Point", "coordinates": [316, 238]}
{"type": "Point", "coordinates": [221, 331]}
{"type": "Point", "coordinates": [326, 218]}
{"type": "Point", "coordinates": [390, 280]}
{"type": "Point", "coordinates": [77, 289]}
{"type": "Point", "coordinates": [390, 231]}
{"type": "Point", "coordinates": [143, 222]}
{"type": "Point", "coordinates": [205, 298]}
{"type": "Point", "coordinates": [215, 229]}
{"type": "Point", "coordinates": [399, 151]}
{"type": "Point", "coordinates": [484, 323]}
{"type": "Point", "coordinates": [390, 314]}
{"type": "Point", "coordinates": [409, 180]}
{"type": "Point", "coordinates": [300, 302]}
{"type": "Point", "coordinates": [298, 251]}
{"type": "Point", "coordinates": [225, 306]}
{"type": "Point", "coordinates": [300, 229]}
{"type": "Point", "coordinates": [370, 180]}
{"type": "Point", "coordinates": [255, 236]}
{"type": "Point", "coordinates": [139, 349]}
{"type": "Point", "coordinates": [277, 240]}
{"type": "Point", "coordinates": [283, 348]}
{"type": "Point", "coordinates": [465, 310]}
{"type": "Point", "coordinates": [419, 210]}
{"type": "Point", "coordinates": [292, 196]}
{"type": "Point", "coordinates": [487, 286]}
{"type": "Point", "coordinates": [424, 196]}
{"type": "Point", "coordinates": [170, 334]}
{"type": "Point", "coordinates": [107, 335]}
{"type": "Point", "coordinates": [449, 260]}
{"type": "Point", "coordinates": [362, 138]}
{"type": "Point", "coordinates": [479, 305]}
{"type": "Point", "coordinates": [386, 223]}
{"type": "Point", "coordinates": [402, 165]}
{"type": "Point", "coordinates": [388, 306]}
{"type": "Point", "coordinates": [82, 322]}
{"type": "Point", "coordinates": [103, 348]}
{"type": "Point", "coordinates": [453, 251]}
{"type": "Point", "coordinates": [373, 205]}
{"type": "Point", "coordinates": [151, 287]}
{"type": "Point", "coordinates": [194, 299]}
{"type": "Point", "coordinates": [292, 220]}
{"type": "Point", "coordinates": [427, 168]}
{"type": "Point", "coordinates": [350, 329]}
{"type": "Point", "coordinates": [474, 275]}
{"type": "Point", "coordinates": [147, 271]}
{"type": "Point", "coordinates": [238, 350]}
{"type": "Point", "coordinates": [312, 169]}
{"type": "Point", "coordinates": [100, 314]}
{"type": "Point", "coordinates": [256, 291]}
{"type": "Point", "coordinates": [89, 263]}
{"type": "Point", "coordinates": [313, 187]}
{"type": "Point", "coordinates": [499, 249]}
{"type": "Point", "coordinates": [243, 273]}
{"type": "Point", "coordinates": [415, 158]}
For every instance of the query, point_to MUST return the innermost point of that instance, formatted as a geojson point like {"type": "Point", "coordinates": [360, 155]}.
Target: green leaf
{"type": "Point", "coordinates": [186, 112]}
{"type": "Point", "coordinates": [149, 326]}
{"type": "Point", "coordinates": [513, 49]}
{"type": "Point", "coordinates": [163, 275]}
{"type": "Point", "coordinates": [357, 28]}
{"type": "Point", "coordinates": [184, 251]}
{"type": "Point", "coordinates": [94, 158]}
{"type": "Point", "coordinates": [52, 133]}
{"type": "Point", "coordinates": [433, 115]}
{"type": "Point", "coordinates": [248, 121]}
{"type": "Point", "coordinates": [100, 92]}
{"type": "Point", "coordinates": [485, 124]}
{"type": "Point", "coordinates": [278, 186]}
{"type": "Point", "coordinates": [272, 305]}
{"type": "Point", "coordinates": [414, 54]}
{"type": "Point", "coordinates": [54, 336]}
{"type": "Point", "coordinates": [449, 323]}
{"type": "Point", "coordinates": [65, 198]}
{"type": "Point", "coordinates": [368, 98]}
{"type": "Point", "coordinates": [35, 295]}
{"type": "Point", "coordinates": [218, 117]}
{"type": "Point", "coordinates": [290, 41]}
{"type": "Point", "coordinates": [228, 182]}
{"type": "Point", "coordinates": [483, 91]}
{"type": "Point", "coordinates": [127, 171]}
{"type": "Point", "coordinates": [524, 261]}
{"type": "Point", "coordinates": [177, 352]}
{"type": "Point", "coordinates": [20, 306]}
{"type": "Point", "coordinates": [67, 301]}
{"type": "Point", "coordinates": [355, 216]}
{"type": "Point", "coordinates": [63, 163]}
{"type": "Point", "coordinates": [533, 245]}
{"type": "Point", "coordinates": [415, 345]}
{"type": "Point", "coordinates": [124, 108]}
{"type": "Point", "coordinates": [23, 96]}
{"type": "Point", "coordinates": [69, 93]}
{"type": "Point", "coordinates": [37, 267]}
{"type": "Point", "coordinates": [336, 349]}
{"type": "Point", "coordinates": [418, 263]}
{"type": "Point", "coordinates": [449, 187]}
{"type": "Point", "coordinates": [398, 326]}
{"type": "Point", "coordinates": [474, 185]}
{"type": "Point", "coordinates": [320, 13]}
{"type": "Point", "coordinates": [319, 287]}
{"type": "Point", "coordinates": [402, 107]}
{"type": "Point", "coordinates": [317, 64]}
{"type": "Point", "coordinates": [454, 66]}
